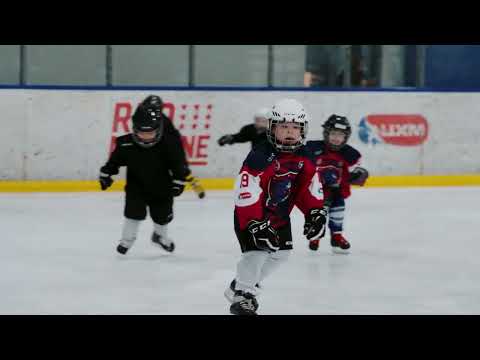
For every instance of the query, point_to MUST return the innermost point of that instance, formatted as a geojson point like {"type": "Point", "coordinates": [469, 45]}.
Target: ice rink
{"type": "Point", "coordinates": [414, 251]}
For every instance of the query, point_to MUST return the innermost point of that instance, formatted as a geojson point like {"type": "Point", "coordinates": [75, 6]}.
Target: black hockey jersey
{"type": "Point", "coordinates": [250, 133]}
{"type": "Point", "coordinates": [150, 171]}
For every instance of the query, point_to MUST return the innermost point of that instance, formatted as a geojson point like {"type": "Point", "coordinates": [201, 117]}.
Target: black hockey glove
{"type": "Point", "coordinates": [264, 235]}
{"type": "Point", "coordinates": [315, 221]}
{"type": "Point", "coordinates": [358, 176]}
{"type": "Point", "coordinates": [225, 139]}
{"type": "Point", "coordinates": [177, 187]}
{"type": "Point", "coordinates": [105, 181]}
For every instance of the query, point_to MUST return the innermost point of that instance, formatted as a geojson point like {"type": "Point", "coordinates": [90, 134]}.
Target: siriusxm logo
{"type": "Point", "coordinates": [393, 129]}
{"type": "Point", "coordinates": [366, 133]}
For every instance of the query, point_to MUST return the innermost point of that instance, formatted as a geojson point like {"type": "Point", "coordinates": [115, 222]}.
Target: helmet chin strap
{"type": "Point", "coordinates": [287, 147]}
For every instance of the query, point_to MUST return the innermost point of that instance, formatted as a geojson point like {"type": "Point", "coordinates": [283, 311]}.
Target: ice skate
{"type": "Point", "coordinates": [124, 245]}
{"type": "Point", "coordinates": [165, 243]}
{"type": "Point", "coordinates": [313, 245]}
{"type": "Point", "coordinates": [244, 304]}
{"type": "Point", "coordinates": [230, 290]}
{"type": "Point", "coordinates": [340, 245]}
{"type": "Point", "coordinates": [122, 249]}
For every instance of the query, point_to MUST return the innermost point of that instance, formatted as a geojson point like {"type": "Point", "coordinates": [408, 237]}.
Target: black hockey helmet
{"type": "Point", "coordinates": [146, 120]}
{"type": "Point", "coordinates": [153, 101]}
{"type": "Point", "coordinates": [336, 122]}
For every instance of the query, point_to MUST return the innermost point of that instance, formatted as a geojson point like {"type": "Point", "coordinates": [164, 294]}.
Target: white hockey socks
{"type": "Point", "coordinates": [129, 232]}
{"type": "Point", "coordinates": [273, 261]}
{"type": "Point", "coordinates": [248, 270]}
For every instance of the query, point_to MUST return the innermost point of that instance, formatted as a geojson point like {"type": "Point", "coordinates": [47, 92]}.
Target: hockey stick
{"type": "Point", "coordinates": [196, 186]}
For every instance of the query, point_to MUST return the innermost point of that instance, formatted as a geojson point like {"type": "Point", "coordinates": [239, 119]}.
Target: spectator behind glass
{"type": "Point", "coordinates": [323, 66]}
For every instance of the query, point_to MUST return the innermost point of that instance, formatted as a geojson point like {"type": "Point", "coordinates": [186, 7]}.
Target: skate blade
{"type": "Point", "coordinates": [237, 314]}
{"type": "Point", "coordinates": [161, 247]}
{"type": "Point", "coordinates": [336, 250]}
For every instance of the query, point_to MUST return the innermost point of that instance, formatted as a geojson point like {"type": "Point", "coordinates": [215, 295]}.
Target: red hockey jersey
{"type": "Point", "coordinates": [341, 163]}
{"type": "Point", "coordinates": [271, 183]}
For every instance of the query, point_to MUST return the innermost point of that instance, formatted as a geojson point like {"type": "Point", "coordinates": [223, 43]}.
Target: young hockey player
{"type": "Point", "coordinates": [156, 172]}
{"type": "Point", "coordinates": [338, 166]}
{"type": "Point", "coordinates": [156, 103]}
{"type": "Point", "coordinates": [275, 177]}
{"type": "Point", "coordinates": [256, 133]}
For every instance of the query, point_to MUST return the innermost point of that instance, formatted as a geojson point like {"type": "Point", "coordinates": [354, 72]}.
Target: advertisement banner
{"type": "Point", "coordinates": [68, 134]}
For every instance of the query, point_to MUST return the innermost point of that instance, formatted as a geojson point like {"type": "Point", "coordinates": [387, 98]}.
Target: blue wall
{"type": "Point", "coordinates": [452, 66]}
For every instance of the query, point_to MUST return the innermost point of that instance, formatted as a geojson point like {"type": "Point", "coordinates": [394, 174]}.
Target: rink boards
{"type": "Point", "coordinates": [57, 139]}
{"type": "Point", "coordinates": [227, 183]}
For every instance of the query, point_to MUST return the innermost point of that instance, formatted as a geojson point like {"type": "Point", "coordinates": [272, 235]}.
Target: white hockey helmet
{"type": "Point", "coordinates": [287, 110]}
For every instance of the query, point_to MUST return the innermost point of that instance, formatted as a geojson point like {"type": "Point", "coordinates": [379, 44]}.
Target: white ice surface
{"type": "Point", "coordinates": [414, 251]}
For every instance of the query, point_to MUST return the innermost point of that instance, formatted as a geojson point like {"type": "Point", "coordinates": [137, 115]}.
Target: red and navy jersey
{"type": "Point", "coordinates": [341, 163]}
{"type": "Point", "coordinates": [271, 183]}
